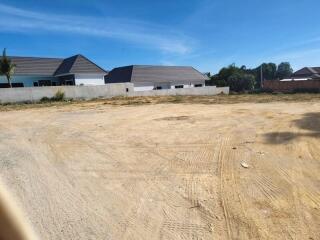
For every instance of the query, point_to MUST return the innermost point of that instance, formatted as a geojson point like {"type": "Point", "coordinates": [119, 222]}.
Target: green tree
{"type": "Point", "coordinates": [221, 79]}
{"type": "Point", "coordinates": [240, 82]}
{"type": "Point", "coordinates": [217, 81]}
{"type": "Point", "coordinates": [6, 67]}
{"type": "Point", "coordinates": [269, 71]}
{"type": "Point", "coordinates": [284, 70]}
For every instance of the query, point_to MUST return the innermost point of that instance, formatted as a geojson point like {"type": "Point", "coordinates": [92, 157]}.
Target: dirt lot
{"type": "Point", "coordinates": [165, 171]}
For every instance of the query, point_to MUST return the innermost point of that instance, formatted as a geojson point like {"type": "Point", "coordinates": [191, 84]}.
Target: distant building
{"type": "Point", "coordinates": [306, 79]}
{"type": "Point", "coordinates": [157, 77]}
{"type": "Point", "coordinates": [38, 71]}
{"type": "Point", "coordinates": [306, 73]}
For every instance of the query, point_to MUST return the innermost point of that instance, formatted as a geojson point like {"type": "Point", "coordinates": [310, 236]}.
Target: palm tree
{"type": "Point", "coordinates": [7, 67]}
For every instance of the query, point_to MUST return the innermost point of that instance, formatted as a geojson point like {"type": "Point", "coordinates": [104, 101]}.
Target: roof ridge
{"type": "Point", "coordinates": [312, 70]}
{"type": "Point", "coordinates": [80, 55]}
{"type": "Point", "coordinates": [64, 62]}
{"type": "Point", "coordinates": [147, 65]}
{"type": "Point", "coordinates": [57, 58]}
{"type": "Point", "coordinates": [73, 62]}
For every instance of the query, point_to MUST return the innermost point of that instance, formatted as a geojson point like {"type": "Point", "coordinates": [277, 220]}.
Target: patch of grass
{"type": "Point", "coordinates": [45, 99]}
{"type": "Point", "coordinates": [176, 99]}
{"type": "Point", "coordinates": [58, 97]}
{"type": "Point", "coordinates": [135, 101]}
{"type": "Point", "coordinates": [219, 99]}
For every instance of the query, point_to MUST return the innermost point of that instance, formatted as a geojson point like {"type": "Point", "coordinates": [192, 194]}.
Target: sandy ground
{"type": "Point", "coordinates": [167, 171]}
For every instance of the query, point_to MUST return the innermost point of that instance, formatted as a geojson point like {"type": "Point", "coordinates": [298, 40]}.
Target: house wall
{"type": "Point", "coordinates": [150, 86]}
{"type": "Point", "coordinates": [143, 88]}
{"type": "Point", "coordinates": [27, 80]}
{"type": "Point", "coordinates": [187, 85]}
{"type": "Point", "coordinates": [89, 79]}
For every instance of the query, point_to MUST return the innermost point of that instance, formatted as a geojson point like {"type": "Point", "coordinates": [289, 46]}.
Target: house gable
{"type": "Point", "coordinates": [78, 64]}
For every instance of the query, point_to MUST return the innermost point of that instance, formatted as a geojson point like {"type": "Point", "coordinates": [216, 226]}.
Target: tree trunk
{"type": "Point", "coordinates": [9, 81]}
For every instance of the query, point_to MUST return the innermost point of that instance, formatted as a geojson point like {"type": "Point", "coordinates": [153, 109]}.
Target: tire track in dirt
{"type": "Point", "coordinates": [221, 181]}
{"type": "Point", "coordinates": [238, 223]}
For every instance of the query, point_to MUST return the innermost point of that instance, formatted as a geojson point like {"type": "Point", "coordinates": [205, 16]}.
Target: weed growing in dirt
{"type": "Point", "coordinates": [58, 97]}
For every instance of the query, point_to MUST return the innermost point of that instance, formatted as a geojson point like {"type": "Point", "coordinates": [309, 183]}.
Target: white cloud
{"type": "Point", "coordinates": [141, 33]}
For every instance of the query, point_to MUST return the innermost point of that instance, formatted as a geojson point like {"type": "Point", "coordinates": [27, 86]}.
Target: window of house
{"type": "Point", "coordinates": [35, 84]}
{"type": "Point", "coordinates": [69, 82]}
{"type": "Point", "coordinates": [4, 85]}
{"type": "Point", "coordinates": [178, 86]}
{"type": "Point", "coordinates": [14, 85]}
{"type": "Point", "coordinates": [43, 83]}
{"type": "Point", "coordinates": [158, 88]}
{"type": "Point", "coordinates": [198, 85]}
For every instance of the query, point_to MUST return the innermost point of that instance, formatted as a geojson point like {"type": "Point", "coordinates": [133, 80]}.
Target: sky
{"type": "Point", "coordinates": [205, 34]}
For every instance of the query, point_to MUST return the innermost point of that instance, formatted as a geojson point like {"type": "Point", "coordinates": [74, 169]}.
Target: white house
{"type": "Point", "coordinates": [35, 71]}
{"type": "Point", "coordinates": [157, 77]}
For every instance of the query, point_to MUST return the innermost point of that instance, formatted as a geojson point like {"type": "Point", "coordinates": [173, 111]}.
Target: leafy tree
{"type": "Point", "coordinates": [226, 72]}
{"type": "Point", "coordinates": [221, 79]}
{"type": "Point", "coordinates": [6, 67]}
{"type": "Point", "coordinates": [270, 71]}
{"type": "Point", "coordinates": [240, 82]}
{"type": "Point", "coordinates": [284, 70]}
{"type": "Point", "coordinates": [217, 81]}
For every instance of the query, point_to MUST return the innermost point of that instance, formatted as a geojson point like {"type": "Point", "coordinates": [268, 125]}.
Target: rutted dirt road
{"type": "Point", "coordinates": [167, 171]}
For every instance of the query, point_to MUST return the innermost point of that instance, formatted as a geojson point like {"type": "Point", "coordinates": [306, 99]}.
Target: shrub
{"type": "Point", "coordinates": [261, 90]}
{"type": "Point", "coordinates": [306, 90]}
{"type": "Point", "coordinates": [45, 99]}
{"type": "Point", "coordinates": [240, 82]}
{"type": "Point", "coordinates": [59, 96]}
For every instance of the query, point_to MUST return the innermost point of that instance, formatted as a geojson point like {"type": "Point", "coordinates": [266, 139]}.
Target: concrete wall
{"type": "Point", "coordinates": [33, 94]}
{"type": "Point", "coordinates": [209, 91]}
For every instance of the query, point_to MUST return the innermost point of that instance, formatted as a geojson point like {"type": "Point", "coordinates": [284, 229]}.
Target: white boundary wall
{"type": "Point", "coordinates": [200, 91]}
{"type": "Point", "coordinates": [34, 94]}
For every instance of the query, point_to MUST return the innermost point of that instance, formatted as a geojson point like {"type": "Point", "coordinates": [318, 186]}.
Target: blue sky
{"type": "Point", "coordinates": [206, 34]}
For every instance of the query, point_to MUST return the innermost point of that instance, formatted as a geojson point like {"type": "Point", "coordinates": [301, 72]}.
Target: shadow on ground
{"type": "Point", "coordinates": [309, 122]}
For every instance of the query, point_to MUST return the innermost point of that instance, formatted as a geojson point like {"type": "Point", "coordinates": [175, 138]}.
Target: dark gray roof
{"type": "Point", "coordinates": [155, 74]}
{"type": "Point", "coordinates": [309, 72]}
{"type": "Point", "coordinates": [36, 65]}
{"type": "Point", "coordinates": [55, 66]}
{"type": "Point", "coordinates": [119, 75]}
{"type": "Point", "coordinates": [78, 64]}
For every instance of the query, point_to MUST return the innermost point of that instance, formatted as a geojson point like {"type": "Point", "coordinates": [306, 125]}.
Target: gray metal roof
{"type": "Point", "coordinates": [155, 74]}
{"type": "Point", "coordinates": [55, 66]}
{"type": "Point", "coordinates": [36, 65]}
{"type": "Point", "coordinates": [78, 64]}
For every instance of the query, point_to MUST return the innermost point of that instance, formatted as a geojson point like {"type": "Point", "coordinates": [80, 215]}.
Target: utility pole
{"type": "Point", "coordinates": [261, 76]}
